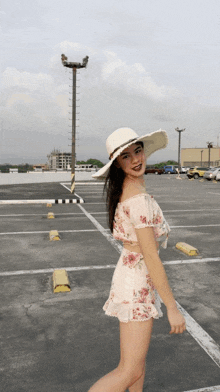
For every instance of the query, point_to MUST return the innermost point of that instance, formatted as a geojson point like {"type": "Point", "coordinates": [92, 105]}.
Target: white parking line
{"type": "Point", "coordinates": [208, 389]}
{"type": "Point", "coordinates": [51, 270]}
{"type": "Point", "coordinates": [192, 261]}
{"type": "Point", "coordinates": [104, 212]}
{"type": "Point", "coordinates": [44, 215]}
{"type": "Point", "coordinates": [190, 226]}
{"type": "Point", "coordinates": [201, 336]}
{"type": "Point", "coordinates": [44, 232]}
{"type": "Point", "coordinates": [100, 267]}
{"type": "Point", "coordinates": [103, 230]}
{"type": "Point", "coordinates": [84, 183]}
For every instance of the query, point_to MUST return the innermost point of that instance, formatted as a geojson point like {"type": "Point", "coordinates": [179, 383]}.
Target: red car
{"type": "Point", "coordinates": [154, 170]}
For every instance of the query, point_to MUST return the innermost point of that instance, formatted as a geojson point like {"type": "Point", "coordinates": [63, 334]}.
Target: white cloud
{"type": "Point", "coordinates": [133, 77]}
{"type": "Point", "coordinates": [13, 78]}
{"type": "Point", "coordinates": [14, 98]}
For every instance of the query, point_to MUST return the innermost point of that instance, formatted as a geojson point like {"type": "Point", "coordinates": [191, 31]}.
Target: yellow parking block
{"type": "Point", "coordinates": [214, 181]}
{"type": "Point", "coordinates": [186, 248]}
{"type": "Point", "coordinates": [60, 281]}
{"type": "Point", "coordinates": [202, 180]}
{"type": "Point", "coordinates": [54, 235]}
{"type": "Point", "coordinates": [49, 205]}
{"type": "Point", "coordinates": [50, 215]}
{"type": "Point", "coordinates": [191, 179]}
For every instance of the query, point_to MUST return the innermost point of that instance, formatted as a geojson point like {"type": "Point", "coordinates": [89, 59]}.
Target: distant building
{"type": "Point", "coordinates": [200, 156]}
{"type": "Point", "coordinates": [40, 167]}
{"type": "Point", "coordinates": [59, 160]}
{"type": "Point", "coordinates": [12, 170]}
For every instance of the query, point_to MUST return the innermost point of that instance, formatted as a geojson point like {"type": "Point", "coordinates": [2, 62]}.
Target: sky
{"type": "Point", "coordinates": [152, 64]}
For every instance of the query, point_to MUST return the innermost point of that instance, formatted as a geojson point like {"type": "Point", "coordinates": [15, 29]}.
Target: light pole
{"type": "Point", "coordinates": [201, 156]}
{"type": "Point", "coordinates": [179, 130]}
{"type": "Point", "coordinates": [210, 145]}
{"type": "Point", "coordinates": [74, 66]}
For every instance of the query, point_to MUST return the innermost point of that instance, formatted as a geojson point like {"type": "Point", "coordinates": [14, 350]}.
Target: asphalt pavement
{"type": "Point", "coordinates": [64, 341]}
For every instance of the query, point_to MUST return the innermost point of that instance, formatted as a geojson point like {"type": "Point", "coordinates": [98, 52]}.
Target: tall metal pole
{"type": "Point", "coordinates": [72, 188]}
{"type": "Point", "coordinates": [201, 156]}
{"type": "Point", "coordinates": [74, 66]}
{"type": "Point", "coordinates": [210, 145]}
{"type": "Point", "coordinates": [179, 130]}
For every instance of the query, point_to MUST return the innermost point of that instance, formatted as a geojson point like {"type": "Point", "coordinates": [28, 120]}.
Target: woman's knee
{"type": "Point", "coordinates": [132, 373]}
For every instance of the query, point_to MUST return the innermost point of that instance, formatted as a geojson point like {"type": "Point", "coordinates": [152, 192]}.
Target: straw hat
{"type": "Point", "coordinates": [122, 138]}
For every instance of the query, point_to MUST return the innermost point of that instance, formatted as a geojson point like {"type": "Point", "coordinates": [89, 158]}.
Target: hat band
{"type": "Point", "coordinates": [124, 144]}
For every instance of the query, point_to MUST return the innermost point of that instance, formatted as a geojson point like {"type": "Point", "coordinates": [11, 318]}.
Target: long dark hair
{"type": "Point", "coordinates": [113, 188]}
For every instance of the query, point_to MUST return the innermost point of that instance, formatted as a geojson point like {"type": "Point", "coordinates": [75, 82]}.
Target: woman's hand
{"type": "Point", "coordinates": [176, 320]}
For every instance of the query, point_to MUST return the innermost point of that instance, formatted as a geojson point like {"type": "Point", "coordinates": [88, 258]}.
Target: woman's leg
{"type": "Point", "coordinates": [134, 343]}
{"type": "Point", "coordinates": [139, 384]}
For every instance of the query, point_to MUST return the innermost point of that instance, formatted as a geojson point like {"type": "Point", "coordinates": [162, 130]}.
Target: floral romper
{"type": "Point", "coordinates": [132, 295]}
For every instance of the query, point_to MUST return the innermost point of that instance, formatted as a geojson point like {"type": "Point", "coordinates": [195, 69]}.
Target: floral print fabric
{"type": "Point", "coordinates": [138, 212]}
{"type": "Point", "coordinates": [132, 295]}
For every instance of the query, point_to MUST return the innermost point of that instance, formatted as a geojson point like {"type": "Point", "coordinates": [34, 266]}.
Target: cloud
{"type": "Point", "coordinates": [134, 78]}
{"type": "Point", "coordinates": [14, 98]}
{"type": "Point", "coordinates": [11, 77]}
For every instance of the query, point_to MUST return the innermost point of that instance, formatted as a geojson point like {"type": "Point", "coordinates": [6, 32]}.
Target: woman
{"type": "Point", "coordinates": [135, 219]}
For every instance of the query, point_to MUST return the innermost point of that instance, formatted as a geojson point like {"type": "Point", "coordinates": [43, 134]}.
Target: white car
{"type": "Point", "coordinates": [184, 169]}
{"type": "Point", "coordinates": [212, 174]}
{"type": "Point", "coordinates": [217, 176]}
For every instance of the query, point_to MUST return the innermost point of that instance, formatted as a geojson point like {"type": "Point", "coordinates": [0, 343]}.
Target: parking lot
{"type": "Point", "coordinates": [64, 341]}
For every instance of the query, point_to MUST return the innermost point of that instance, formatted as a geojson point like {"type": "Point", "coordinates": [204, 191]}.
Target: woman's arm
{"type": "Point", "coordinates": [148, 246]}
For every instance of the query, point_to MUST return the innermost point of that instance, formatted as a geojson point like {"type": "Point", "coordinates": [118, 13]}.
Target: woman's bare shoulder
{"type": "Point", "coordinates": [131, 191]}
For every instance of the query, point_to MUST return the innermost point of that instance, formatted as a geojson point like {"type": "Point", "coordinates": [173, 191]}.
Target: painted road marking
{"type": "Point", "coordinates": [99, 267]}
{"type": "Point", "coordinates": [49, 270]}
{"type": "Point", "coordinates": [84, 183]}
{"type": "Point", "coordinates": [189, 261]}
{"type": "Point", "coordinates": [200, 335]}
{"type": "Point", "coordinates": [47, 231]}
{"type": "Point", "coordinates": [58, 214]}
{"type": "Point", "coordinates": [43, 201]}
{"type": "Point", "coordinates": [99, 213]}
{"type": "Point", "coordinates": [208, 389]}
{"type": "Point", "coordinates": [100, 228]}
{"type": "Point", "coordinates": [104, 232]}
{"type": "Point", "coordinates": [180, 227]}
{"type": "Point", "coordinates": [89, 192]}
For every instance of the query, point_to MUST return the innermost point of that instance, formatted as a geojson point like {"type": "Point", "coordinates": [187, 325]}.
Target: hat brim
{"type": "Point", "coordinates": [152, 142]}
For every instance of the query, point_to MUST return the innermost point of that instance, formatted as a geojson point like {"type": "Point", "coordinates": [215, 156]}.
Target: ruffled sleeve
{"type": "Point", "coordinates": [142, 212]}
{"type": "Point", "coordinates": [145, 212]}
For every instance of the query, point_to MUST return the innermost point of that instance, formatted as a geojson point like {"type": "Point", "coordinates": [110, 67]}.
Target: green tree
{"type": "Point", "coordinates": [91, 161]}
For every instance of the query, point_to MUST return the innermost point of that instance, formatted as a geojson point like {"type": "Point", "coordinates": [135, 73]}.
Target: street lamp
{"type": "Point", "coordinates": [210, 145]}
{"type": "Point", "coordinates": [201, 156]}
{"type": "Point", "coordinates": [74, 66]}
{"type": "Point", "coordinates": [179, 130]}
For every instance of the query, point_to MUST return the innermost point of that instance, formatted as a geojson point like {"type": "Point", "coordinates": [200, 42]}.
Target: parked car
{"type": "Point", "coordinates": [184, 169]}
{"type": "Point", "coordinates": [196, 172]}
{"type": "Point", "coordinates": [212, 173]}
{"type": "Point", "coordinates": [181, 170]}
{"type": "Point", "coordinates": [170, 169]}
{"type": "Point", "coordinates": [154, 170]}
{"type": "Point", "coordinates": [217, 176]}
